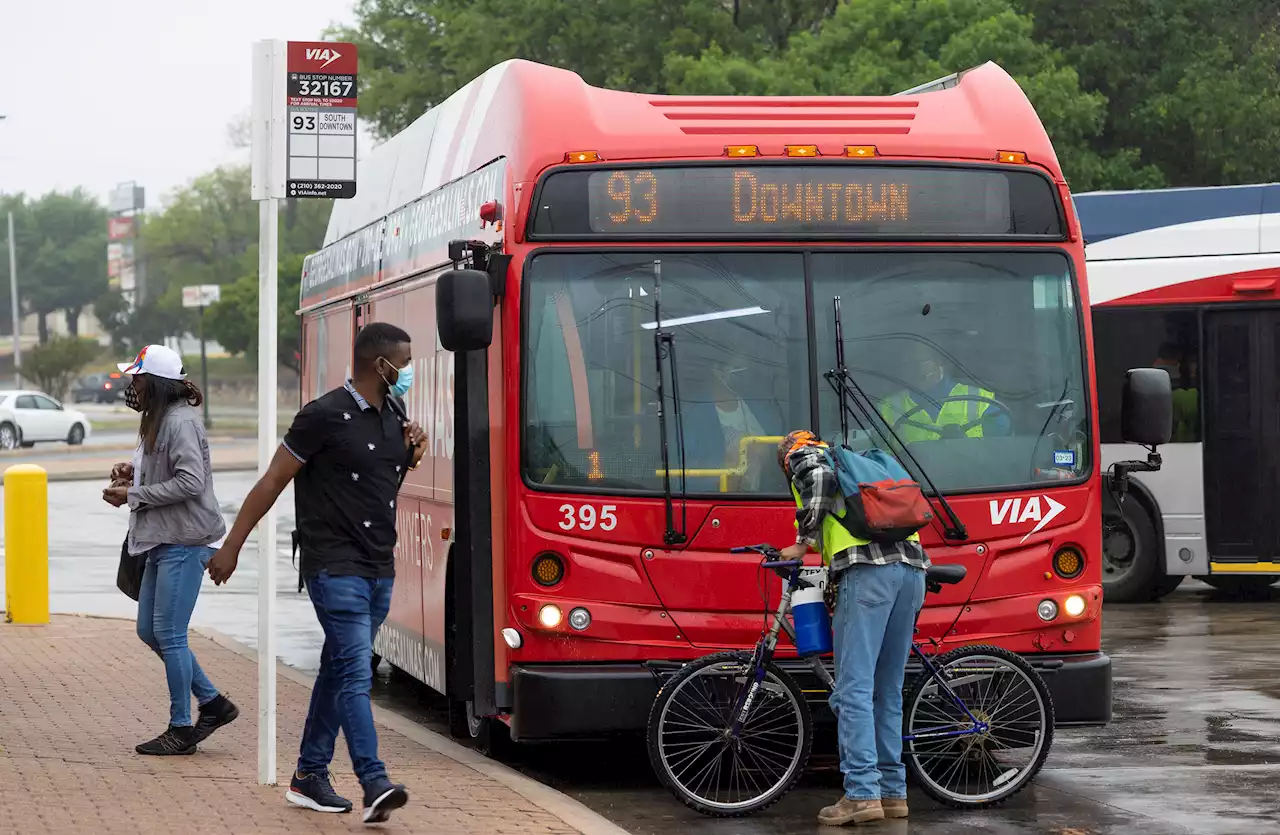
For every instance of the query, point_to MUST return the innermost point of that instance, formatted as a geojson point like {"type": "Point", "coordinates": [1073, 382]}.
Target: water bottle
{"type": "Point", "coordinates": [812, 623]}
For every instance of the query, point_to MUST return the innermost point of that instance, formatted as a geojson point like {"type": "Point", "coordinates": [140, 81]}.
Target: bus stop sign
{"type": "Point", "coordinates": [321, 102]}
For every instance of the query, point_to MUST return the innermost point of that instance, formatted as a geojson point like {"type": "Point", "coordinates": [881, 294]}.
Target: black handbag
{"type": "Point", "coordinates": [129, 575]}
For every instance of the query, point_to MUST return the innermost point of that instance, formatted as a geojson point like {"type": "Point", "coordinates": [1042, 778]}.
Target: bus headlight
{"type": "Point", "coordinates": [549, 616]}
{"type": "Point", "coordinates": [1074, 605]}
{"type": "Point", "coordinates": [1047, 610]}
{"type": "Point", "coordinates": [579, 618]}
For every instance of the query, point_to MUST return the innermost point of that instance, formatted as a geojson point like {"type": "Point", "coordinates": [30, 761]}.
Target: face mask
{"type": "Point", "coordinates": [131, 398]}
{"type": "Point", "coordinates": [404, 379]}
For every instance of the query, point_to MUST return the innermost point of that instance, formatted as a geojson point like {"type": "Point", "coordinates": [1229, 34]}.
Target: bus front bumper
{"type": "Point", "coordinates": [565, 701]}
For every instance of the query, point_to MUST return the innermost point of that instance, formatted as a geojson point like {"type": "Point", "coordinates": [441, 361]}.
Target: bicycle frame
{"type": "Point", "coordinates": [768, 644]}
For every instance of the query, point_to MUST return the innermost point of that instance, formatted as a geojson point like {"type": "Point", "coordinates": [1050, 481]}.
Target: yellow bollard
{"type": "Point", "coordinates": [26, 544]}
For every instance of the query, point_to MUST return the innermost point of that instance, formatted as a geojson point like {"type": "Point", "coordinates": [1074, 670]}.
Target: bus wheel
{"type": "Point", "coordinates": [489, 736]}
{"type": "Point", "coordinates": [1253, 587]}
{"type": "Point", "coordinates": [1128, 555]}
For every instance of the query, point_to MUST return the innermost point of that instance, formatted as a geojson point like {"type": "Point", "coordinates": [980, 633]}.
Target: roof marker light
{"type": "Point", "coordinates": [741, 150]}
{"type": "Point", "coordinates": [801, 150]}
{"type": "Point", "coordinates": [860, 151]}
{"type": "Point", "coordinates": [1013, 157]}
{"type": "Point", "coordinates": [582, 156]}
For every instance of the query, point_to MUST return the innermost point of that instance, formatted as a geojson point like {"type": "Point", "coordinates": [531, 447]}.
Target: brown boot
{"type": "Point", "coordinates": [894, 807]}
{"type": "Point", "coordinates": [849, 810]}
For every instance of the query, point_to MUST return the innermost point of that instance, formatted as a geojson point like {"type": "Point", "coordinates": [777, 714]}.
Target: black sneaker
{"type": "Point", "coordinates": [315, 792]}
{"type": "Point", "coordinates": [221, 711]}
{"type": "Point", "coordinates": [381, 798]}
{"type": "Point", "coordinates": [173, 742]}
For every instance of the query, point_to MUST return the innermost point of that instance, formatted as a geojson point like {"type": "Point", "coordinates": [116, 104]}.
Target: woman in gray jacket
{"type": "Point", "coordinates": [174, 519]}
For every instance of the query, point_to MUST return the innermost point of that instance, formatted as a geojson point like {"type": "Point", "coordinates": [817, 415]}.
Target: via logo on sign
{"type": "Point", "coordinates": [1016, 511]}
{"type": "Point", "coordinates": [326, 54]}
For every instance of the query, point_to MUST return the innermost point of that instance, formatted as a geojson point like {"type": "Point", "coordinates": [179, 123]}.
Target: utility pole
{"type": "Point", "coordinates": [13, 301]}
{"type": "Point", "coordinates": [204, 370]}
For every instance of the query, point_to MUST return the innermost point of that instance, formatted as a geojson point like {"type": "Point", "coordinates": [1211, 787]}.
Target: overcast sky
{"type": "Point", "coordinates": [98, 92]}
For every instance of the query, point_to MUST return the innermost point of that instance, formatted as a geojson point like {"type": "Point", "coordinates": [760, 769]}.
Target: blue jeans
{"type": "Point", "coordinates": [874, 622]}
{"type": "Point", "coordinates": [170, 586]}
{"type": "Point", "coordinates": [350, 610]}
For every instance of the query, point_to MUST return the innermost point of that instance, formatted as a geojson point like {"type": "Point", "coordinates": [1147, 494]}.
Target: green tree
{"type": "Point", "coordinates": [235, 318]}
{"type": "Point", "coordinates": [67, 266]}
{"type": "Point", "coordinates": [415, 53]}
{"type": "Point", "coordinates": [56, 363]}
{"type": "Point", "coordinates": [877, 47]}
{"type": "Point", "coordinates": [1192, 85]}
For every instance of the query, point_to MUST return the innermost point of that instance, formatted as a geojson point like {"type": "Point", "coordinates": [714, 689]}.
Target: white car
{"type": "Point", "coordinates": [31, 417]}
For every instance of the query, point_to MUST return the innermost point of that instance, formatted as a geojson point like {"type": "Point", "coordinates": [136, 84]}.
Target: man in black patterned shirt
{"type": "Point", "coordinates": [880, 592]}
{"type": "Point", "coordinates": [346, 452]}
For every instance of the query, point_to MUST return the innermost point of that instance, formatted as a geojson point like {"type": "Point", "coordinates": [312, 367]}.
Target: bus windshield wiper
{"type": "Point", "coordinates": [851, 395]}
{"type": "Point", "coordinates": [664, 346]}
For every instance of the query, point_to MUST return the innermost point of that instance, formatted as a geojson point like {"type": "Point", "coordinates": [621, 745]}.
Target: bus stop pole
{"type": "Point", "coordinates": [267, 268]}
{"type": "Point", "coordinates": [267, 187]}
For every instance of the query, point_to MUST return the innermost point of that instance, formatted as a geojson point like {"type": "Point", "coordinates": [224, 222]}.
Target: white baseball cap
{"type": "Point", "coordinates": [156, 360]}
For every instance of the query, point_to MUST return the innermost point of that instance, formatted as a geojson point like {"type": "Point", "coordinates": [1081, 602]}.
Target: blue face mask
{"type": "Point", "coordinates": [404, 379]}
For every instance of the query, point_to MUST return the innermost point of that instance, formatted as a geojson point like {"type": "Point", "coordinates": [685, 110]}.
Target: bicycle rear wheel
{"type": "Point", "coordinates": [953, 761]}
{"type": "Point", "coordinates": [694, 753]}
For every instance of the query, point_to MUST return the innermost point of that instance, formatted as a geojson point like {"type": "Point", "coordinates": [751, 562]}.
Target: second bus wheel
{"type": "Point", "coordinates": [1130, 554]}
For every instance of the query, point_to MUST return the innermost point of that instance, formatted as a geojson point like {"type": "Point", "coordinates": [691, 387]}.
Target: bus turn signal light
{"type": "Point", "coordinates": [1013, 157]}
{"type": "Point", "coordinates": [741, 150]}
{"type": "Point", "coordinates": [860, 151]}
{"type": "Point", "coordinates": [1068, 563]}
{"type": "Point", "coordinates": [582, 156]}
{"type": "Point", "coordinates": [547, 570]}
{"type": "Point", "coordinates": [802, 150]}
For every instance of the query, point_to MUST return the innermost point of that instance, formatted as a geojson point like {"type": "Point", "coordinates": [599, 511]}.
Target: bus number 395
{"type": "Point", "coordinates": [586, 518]}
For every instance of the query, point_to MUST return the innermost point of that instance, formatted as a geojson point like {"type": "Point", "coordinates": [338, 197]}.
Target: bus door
{"type": "Point", "coordinates": [1242, 434]}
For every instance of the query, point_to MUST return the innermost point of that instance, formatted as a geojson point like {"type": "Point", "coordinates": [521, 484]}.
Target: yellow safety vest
{"type": "Point", "coordinates": [835, 536]}
{"type": "Point", "coordinates": [952, 413]}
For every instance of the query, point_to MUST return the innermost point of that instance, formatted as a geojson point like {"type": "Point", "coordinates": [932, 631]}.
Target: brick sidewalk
{"type": "Point", "coordinates": [78, 694]}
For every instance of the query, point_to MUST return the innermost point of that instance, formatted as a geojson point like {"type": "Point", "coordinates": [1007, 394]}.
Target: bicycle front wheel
{"type": "Point", "coordinates": [696, 755]}
{"type": "Point", "coordinates": [982, 737]}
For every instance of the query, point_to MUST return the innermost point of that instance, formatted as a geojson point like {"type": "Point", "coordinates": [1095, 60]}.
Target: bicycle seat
{"type": "Point", "coordinates": [945, 575]}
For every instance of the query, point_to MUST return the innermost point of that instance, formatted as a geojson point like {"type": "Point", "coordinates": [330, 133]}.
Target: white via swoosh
{"type": "Point", "coordinates": [1054, 509]}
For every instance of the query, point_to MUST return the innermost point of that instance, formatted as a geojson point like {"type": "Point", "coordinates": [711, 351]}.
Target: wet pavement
{"type": "Point", "coordinates": [1194, 746]}
{"type": "Point", "coordinates": [85, 534]}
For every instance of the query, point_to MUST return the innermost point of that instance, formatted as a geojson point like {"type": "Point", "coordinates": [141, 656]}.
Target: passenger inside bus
{"type": "Point", "coordinates": [726, 422]}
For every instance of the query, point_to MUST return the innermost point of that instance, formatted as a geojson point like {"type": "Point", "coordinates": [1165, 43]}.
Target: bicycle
{"type": "Point", "coordinates": [730, 733]}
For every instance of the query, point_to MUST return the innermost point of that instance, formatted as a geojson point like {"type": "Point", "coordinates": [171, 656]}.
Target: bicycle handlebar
{"type": "Point", "coordinates": [764, 550]}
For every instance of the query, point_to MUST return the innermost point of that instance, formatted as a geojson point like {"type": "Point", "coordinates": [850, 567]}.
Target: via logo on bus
{"type": "Point", "coordinates": [1016, 511]}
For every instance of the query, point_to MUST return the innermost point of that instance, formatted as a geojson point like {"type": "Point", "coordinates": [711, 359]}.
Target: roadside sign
{"type": "Point", "coordinates": [321, 102]}
{"type": "Point", "coordinates": [126, 197]}
{"type": "Point", "coordinates": [201, 295]}
{"type": "Point", "coordinates": [119, 228]}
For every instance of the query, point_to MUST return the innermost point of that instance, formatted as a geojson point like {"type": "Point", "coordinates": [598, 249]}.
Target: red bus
{"type": "Point", "coordinates": [647, 306]}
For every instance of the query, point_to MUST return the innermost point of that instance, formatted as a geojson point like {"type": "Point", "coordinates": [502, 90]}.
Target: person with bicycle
{"type": "Point", "coordinates": [879, 590]}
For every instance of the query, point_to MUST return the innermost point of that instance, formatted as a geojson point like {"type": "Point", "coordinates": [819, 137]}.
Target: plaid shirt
{"type": "Point", "coordinates": [815, 480]}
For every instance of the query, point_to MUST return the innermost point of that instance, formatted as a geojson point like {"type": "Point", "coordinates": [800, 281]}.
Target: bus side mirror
{"type": "Point", "coordinates": [464, 310]}
{"type": "Point", "coordinates": [1146, 408]}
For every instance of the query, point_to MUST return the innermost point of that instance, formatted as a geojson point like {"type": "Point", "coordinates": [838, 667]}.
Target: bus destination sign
{"type": "Point", "coordinates": [322, 119]}
{"type": "Point", "coordinates": [831, 200]}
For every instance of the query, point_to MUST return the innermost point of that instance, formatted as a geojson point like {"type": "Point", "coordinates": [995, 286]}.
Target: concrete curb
{"type": "Point", "coordinates": [96, 474]}
{"type": "Point", "coordinates": [548, 799]}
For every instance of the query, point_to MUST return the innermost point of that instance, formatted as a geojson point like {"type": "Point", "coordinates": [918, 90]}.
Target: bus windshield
{"type": "Point", "coordinates": [974, 357]}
